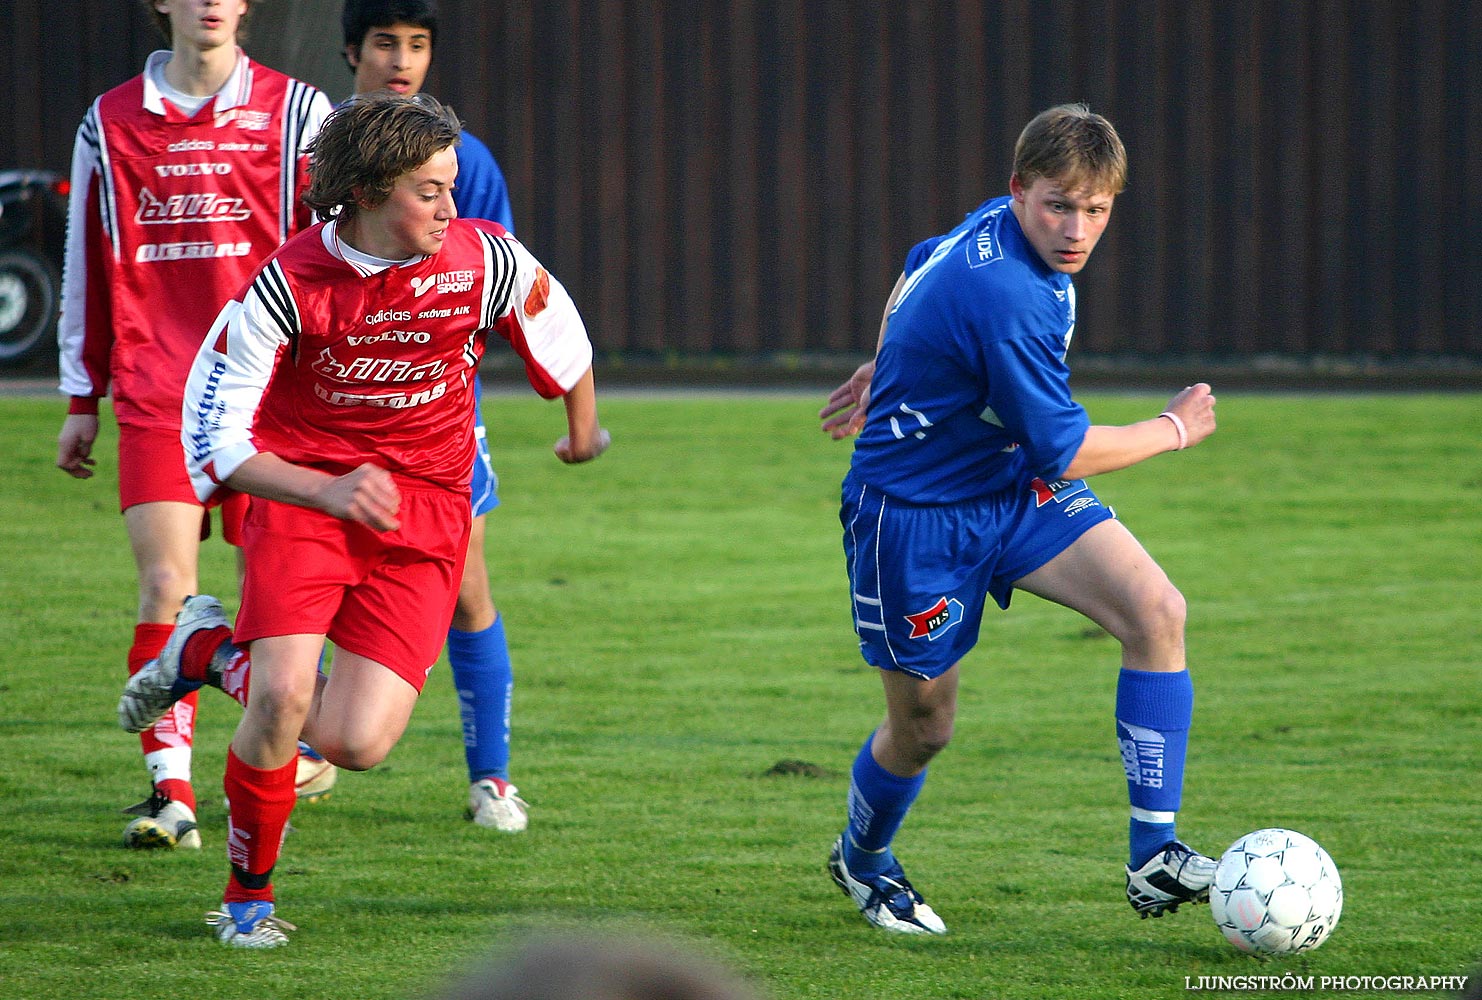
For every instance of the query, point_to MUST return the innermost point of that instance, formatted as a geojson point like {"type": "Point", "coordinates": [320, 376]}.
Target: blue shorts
{"type": "Point", "coordinates": [484, 481]}
{"type": "Point", "coordinates": [920, 574]}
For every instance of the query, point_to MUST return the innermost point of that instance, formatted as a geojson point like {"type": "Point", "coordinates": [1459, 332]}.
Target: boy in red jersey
{"type": "Point", "coordinates": [338, 389]}
{"type": "Point", "coordinates": [183, 179]}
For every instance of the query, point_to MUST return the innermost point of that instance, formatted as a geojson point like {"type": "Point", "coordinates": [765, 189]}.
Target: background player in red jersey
{"type": "Point", "coordinates": [183, 179]}
{"type": "Point", "coordinates": [338, 390]}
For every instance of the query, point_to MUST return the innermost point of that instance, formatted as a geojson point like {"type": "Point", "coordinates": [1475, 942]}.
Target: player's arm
{"type": "Point", "coordinates": [83, 348]}
{"type": "Point", "coordinates": [585, 437]}
{"type": "Point", "coordinates": [844, 415]}
{"type": "Point", "coordinates": [1187, 420]}
{"type": "Point", "coordinates": [315, 109]}
{"type": "Point", "coordinates": [544, 327]}
{"type": "Point", "coordinates": [367, 494]}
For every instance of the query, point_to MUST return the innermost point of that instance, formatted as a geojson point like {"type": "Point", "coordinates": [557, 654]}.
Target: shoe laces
{"type": "Point", "coordinates": [491, 789]}
{"type": "Point", "coordinates": [156, 804]}
{"type": "Point", "coordinates": [894, 890]}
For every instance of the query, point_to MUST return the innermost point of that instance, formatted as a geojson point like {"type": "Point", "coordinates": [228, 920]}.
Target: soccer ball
{"type": "Point", "coordinates": [1276, 892]}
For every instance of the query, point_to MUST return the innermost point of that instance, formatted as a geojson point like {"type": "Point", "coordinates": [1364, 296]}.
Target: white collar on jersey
{"type": "Point", "coordinates": [236, 92]}
{"type": "Point", "coordinates": [365, 264]}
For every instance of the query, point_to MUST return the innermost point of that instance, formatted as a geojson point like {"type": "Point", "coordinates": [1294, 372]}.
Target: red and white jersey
{"type": "Point", "coordinates": [170, 215]}
{"type": "Point", "coordinates": [328, 366]}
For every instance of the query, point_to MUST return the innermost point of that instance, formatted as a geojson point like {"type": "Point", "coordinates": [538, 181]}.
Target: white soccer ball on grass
{"type": "Point", "coordinates": [1276, 892]}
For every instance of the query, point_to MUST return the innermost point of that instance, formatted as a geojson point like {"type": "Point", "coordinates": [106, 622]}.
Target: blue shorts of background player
{"type": "Point", "coordinates": [485, 481]}
{"type": "Point", "coordinates": [920, 574]}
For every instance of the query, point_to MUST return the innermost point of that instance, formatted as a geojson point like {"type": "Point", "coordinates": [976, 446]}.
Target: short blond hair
{"type": "Point", "coordinates": [1074, 147]}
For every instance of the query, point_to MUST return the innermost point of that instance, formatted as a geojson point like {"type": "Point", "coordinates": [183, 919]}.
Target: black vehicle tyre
{"type": "Point", "coordinates": [30, 293]}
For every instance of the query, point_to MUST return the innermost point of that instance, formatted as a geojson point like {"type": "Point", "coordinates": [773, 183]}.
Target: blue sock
{"type": "Point", "coordinates": [878, 803]}
{"type": "Point", "coordinates": [485, 681]}
{"type": "Point", "coordinates": [1154, 709]}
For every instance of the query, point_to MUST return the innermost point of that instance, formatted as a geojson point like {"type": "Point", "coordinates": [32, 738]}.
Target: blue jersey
{"type": "Point", "coordinates": [481, 192]}
{"type": "Point", "coordinates": [971, 389]}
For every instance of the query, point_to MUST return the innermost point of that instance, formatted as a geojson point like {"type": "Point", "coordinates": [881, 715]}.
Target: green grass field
{"type": "Point", "coordinates": [679, 619]}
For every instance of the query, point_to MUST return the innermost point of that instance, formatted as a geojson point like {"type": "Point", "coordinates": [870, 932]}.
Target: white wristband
{"type": "Point", "coordinates": [1178, 425]}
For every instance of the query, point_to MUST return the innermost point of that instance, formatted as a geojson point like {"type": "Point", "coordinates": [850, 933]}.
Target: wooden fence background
{"type": "Point", "coordinates": [744, 177]}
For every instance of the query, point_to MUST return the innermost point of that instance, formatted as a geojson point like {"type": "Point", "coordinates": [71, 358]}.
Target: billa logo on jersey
{"type": "Point", "coordinates": [1059, 490]}
{"type": "Point", "coordinates": [361, 369]}
{"type": "Point", "coordinates": [935, 620]}
{"type": "Point", "coordinates": [206, 206]}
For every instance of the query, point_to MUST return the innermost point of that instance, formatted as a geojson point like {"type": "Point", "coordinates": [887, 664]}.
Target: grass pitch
{"type": "Point", "coordinates": [679, 621]}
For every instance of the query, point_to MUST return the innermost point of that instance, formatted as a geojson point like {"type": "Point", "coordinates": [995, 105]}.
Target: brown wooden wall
{"type": "Point", "coordinates": [746, 176]}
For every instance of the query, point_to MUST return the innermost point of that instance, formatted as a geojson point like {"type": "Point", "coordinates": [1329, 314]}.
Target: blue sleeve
{"type": "Point", "coordinates": [481, 192]}
{"type": "Point", "coordinates": [920, 252]}
{"type": "Point", "coordinates": [1029, 391]}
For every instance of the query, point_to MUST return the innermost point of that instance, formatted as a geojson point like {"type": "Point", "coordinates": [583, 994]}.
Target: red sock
{"type": "Point", "coordinates": [261, 802]}
{"type": "Point", "coordinates": [149, 639]}
{"type": "Point", "coordinates": [199, 648]}
{"type": "Point", "coordinates": [177, 729]}
{"type": "Point", "coordinates": [236, 676]}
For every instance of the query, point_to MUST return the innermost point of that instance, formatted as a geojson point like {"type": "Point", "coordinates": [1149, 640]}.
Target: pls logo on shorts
{"type": "Point", "coordinates": [1060, 490]}
{"type": "Point", "coordinates": [935, 620]}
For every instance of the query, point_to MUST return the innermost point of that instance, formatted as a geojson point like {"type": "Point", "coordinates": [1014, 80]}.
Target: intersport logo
{"type": "Point", "coordinates": [448, 281]}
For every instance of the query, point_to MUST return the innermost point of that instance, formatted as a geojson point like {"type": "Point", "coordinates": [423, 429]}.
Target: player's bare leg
{"type": "Point", "coordinates": [165, 539]}
{"type": "Point", "coordinates": [475, 609]}
{"type": "Point", "coordinates": [887, 775]}
{"type": "Point", "coordinates": [1107, 576]}
{"type": "Point", "coordinates": [919, 716]}
{"type": "Point", "coordinates": [357, 715]}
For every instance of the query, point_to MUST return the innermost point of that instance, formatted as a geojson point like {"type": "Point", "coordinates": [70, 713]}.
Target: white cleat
{"type": "Point", "coordinates": [1176, 874]}
{"type": "Point", "coordinates": [166, 825]}
{"type": "Point", "coordinates": [887, 900]}
{"type": "Point", "coordinates": [151, 692]}
{"type": "Point", "coordinates": [249, 925]}
{"type": "Point", "coordinates": [496, 808]}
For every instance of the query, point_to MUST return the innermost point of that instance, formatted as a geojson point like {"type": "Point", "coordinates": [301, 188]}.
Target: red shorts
{"type": "Point", "coordinates": [151, 469]}
{"type": "Point", "coordinates": [387, 596]}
